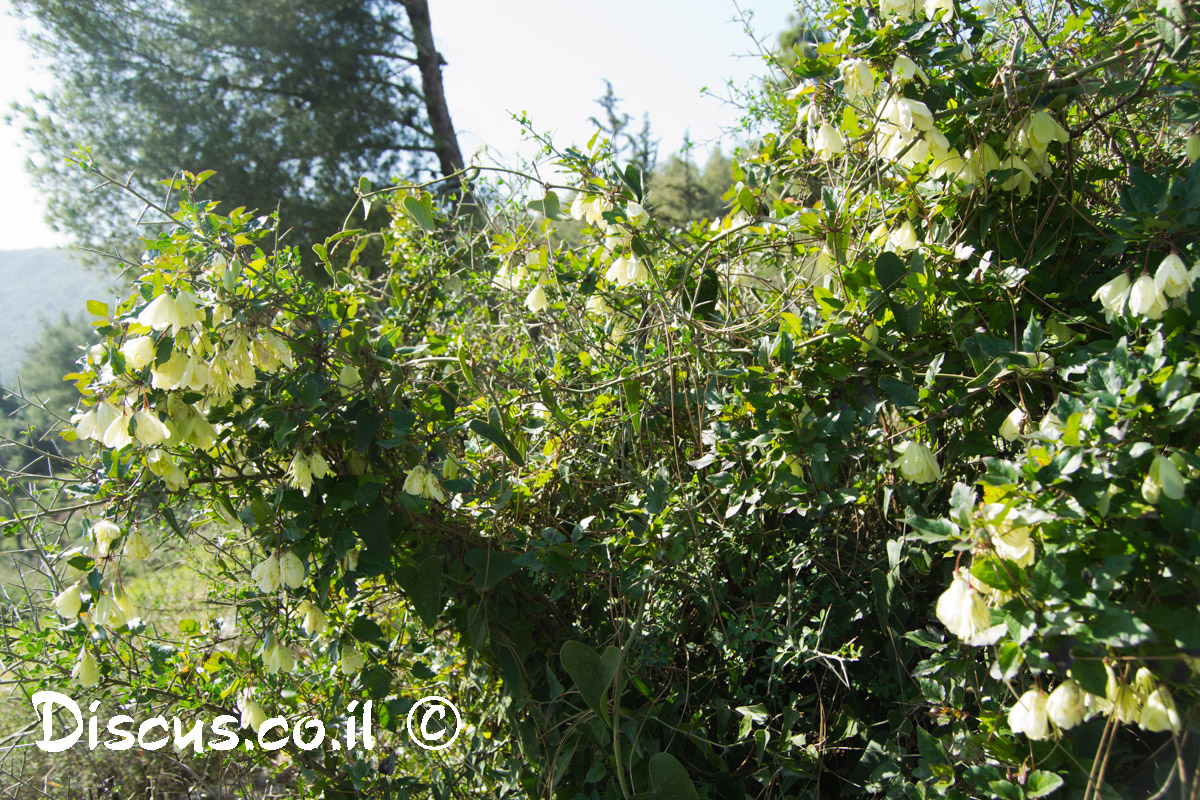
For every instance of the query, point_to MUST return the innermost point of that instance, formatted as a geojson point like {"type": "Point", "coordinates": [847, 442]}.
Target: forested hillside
{"type": "Point", "coordinates": [38, 287]}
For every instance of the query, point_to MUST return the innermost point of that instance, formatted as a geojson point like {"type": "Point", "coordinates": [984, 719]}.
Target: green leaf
{"type": "Point", "coordinates": [908, 317]}
{"type": "Point", "coordinates": [364, 185]}
{"type": "Point", "coordinates": [995, 572]}
{"type": "Point", "coordinates": [366, 425]}
{"type": "Point", "coordinates": [901, 394]}
{"type": "Point", "coordinates": [491, 567]}
{"type": "Point", "coordinates": [670, 779]}
{"type": "Point", "coordinates": [467, 371]}
{"type": "Point", "coordinates": [748, 201]}
{"type": "Point", "coordinates": [378, 681]}
{"type": "Point", "coordinates": [97, 309]}
{"type": "Point", "coordinates": [366, 629]}
{"type": "Point", "coordinates": [1005, 790]}
{"type": "Point", "coordinates": [933, 530]}
{"type": "Point", "coordinates": [1089, 673]}
{"type": "Point", "coordinates": [1042, 783]}
{"type": "Point", "coordinates": [551, 402]}
{"type": "Point", "coordinates": [422, 584]}
{"type": "Point", "coordinates": [1009, 658]}
{"type": "Point", "coordinates": [1181, 410]}
{"type": "Point", "coordinates": [632, 390]}
{"type": "Point", "coordinates": [498, 438]}
{"type": "Point", "coordinates": [548, 207]}
{"type": "Point", "coordinates": [1120, 628]}
{"type": "Point", "coordinates": [592, 673]}
{"type": "Point", "coordinates": [420, 214]}
{"type": "Point", "coordinates": [889, 271]}
{"type": "Point", "coordinates": [633, 179]}
{"type": "Point", "coordinates": [1033, 337]}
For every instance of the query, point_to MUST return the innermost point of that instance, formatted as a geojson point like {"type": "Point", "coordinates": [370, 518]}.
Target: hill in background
{"type": "Point", "coordinates": [38, 287]}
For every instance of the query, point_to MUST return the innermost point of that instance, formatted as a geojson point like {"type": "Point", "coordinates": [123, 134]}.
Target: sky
{"type": "Point", "coordinates": [547, 58]}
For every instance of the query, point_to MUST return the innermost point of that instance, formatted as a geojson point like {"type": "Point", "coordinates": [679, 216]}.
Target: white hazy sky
{"type": "Point", "coordinates": [548, 58]}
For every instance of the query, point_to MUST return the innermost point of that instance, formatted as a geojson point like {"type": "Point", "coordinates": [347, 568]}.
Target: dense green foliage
{"type": "Point", "coordinates": [884, 483]}
{"type": "Point", "coordinates": [290, 102]}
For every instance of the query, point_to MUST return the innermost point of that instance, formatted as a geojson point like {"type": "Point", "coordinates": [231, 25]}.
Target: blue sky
{"type": "Point", "coordinates": [548, 58]}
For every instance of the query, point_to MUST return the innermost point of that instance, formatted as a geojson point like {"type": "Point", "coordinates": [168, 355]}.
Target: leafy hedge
{"type": "Point", "coordinates": [882, 483]}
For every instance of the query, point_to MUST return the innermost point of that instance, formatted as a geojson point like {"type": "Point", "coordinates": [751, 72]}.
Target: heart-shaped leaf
{"type": "Point", "coordinates": [670, 780]}
{"type": "Point", "coordinates": [592, 673]}
{"type": "Point", "coordinates": [490, 567]}
{"type": "Point", "coordinates": [423, 586]}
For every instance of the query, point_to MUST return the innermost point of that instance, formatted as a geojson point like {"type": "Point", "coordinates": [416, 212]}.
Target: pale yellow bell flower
{"type": "Point", "coordinates": [68, 602]}
{"type": "Point", "coordinates": [536, 300]}
{"type": "Point", "coordinates": [253, 715]}
{"type": "Point", "coordinates": [1145, 300]}
{"type": "Point", "coordinates": [103, 533]}
{"type": "Point", "coordinates": [86, 672]}
{"type": "Point", "coordinates": [1172, 277]}
{"type": "Point", "coordinates": [1029, 715]}
{"type": "Point", "coordinates": [1113, 295]}
{"type": "Point", "coordinates": [315, 620]}
{"type": "Point", "coordinates": [149, 429]}
{"type": "Point", "coordinates": [138, 352]}
{"type": "Point", "coordinates": [829, 142]}
{"type": "Point", "coordinates": [857, 79]}
{"type": "Point", "coordinates": [291, 570]}
{"type": "Point", "coordinates": [962, 609]}
{"type": "Point", "coordinates": [267, 575]}
{"type": "Point", "coordinates": [1159, 713]}
{"type": "Point", "coordinates": [278, 658]}
{"type": "Point", "coordinates": [136, 545]}
{"type": "Point", "coordinates": [1010, 429]}
{"type": "Point", "coordinates": [1066, 705]}
{"type": "Point", "coordinates": [917, 463]}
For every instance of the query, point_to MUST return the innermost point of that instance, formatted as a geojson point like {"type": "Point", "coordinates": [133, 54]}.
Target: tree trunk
{"type": "Point", "coordinates": [429, 61]}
